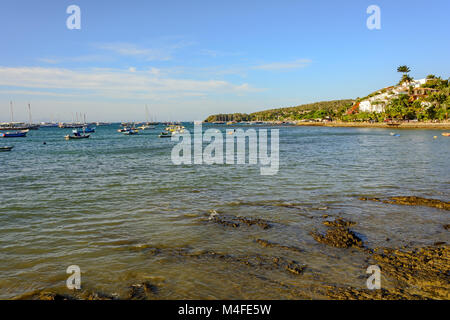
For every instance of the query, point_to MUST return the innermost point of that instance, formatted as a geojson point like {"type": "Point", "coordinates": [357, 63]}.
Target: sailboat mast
{"type": "Point", "coordinates": [146, 112]}
{"type": "Point", "coordinates": [12, 113]}
{"type": "Point", "coordinates": [29, 112]}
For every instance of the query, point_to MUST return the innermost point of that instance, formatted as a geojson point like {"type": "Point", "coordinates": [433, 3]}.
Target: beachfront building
{"type": "Point", "coordinates": [377, 103]}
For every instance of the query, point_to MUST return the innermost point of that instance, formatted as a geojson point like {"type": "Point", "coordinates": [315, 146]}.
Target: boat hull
{"type": "Point", "coordinates": [77, 137]}
{"type": "Point", "coordinates": [14, 134]}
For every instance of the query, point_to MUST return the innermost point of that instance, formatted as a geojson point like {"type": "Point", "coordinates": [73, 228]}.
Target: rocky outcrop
{"type": "Point", "coordinates": [412, 201]}
{"type": "Point", "coordinates": [339, 235]}
{"type": "Point", "coordinates": [142, 291]}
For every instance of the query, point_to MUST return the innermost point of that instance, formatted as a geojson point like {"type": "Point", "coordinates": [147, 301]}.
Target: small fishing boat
{"type": "Point", "coordinates": [146, 127]}
{"type": "Point", "coordinates": [446, 134]}
{"type": "Point", "coordinates": [6, 148]}
{"type": "Point", "coordinates": [14, 134]}
{"type": "Point", "coordinates": [165, 135]}
{"type": "Point", "coordinates": [131, 132]}
{"type": "Point", "coordinates": [77, 136]}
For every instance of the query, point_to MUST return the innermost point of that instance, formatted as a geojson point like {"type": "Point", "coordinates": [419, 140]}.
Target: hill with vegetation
{"type": "Point", "coordinates": [399, 102]}
{"type": "Point", "coordinates": [306, 111]}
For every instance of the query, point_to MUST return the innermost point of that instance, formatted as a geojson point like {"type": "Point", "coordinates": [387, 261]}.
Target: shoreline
{"type": "Point", "coordinates": [403, 125]}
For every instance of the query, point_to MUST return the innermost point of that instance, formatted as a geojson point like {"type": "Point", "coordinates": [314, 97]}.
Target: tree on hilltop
{"type": "Point", "coordinates": [405, 77]}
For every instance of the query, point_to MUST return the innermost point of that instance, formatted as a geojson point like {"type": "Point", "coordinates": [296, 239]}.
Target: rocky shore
{"type": "Point", "coordinates": [408, 272]}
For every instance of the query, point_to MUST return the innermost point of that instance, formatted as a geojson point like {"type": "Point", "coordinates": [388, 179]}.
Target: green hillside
{"type": "Point", "coordinates": [305, 111]}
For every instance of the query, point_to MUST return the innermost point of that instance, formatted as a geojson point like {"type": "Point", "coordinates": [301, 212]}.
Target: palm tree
{"type": "Point", "coordinates": [405, 77]}
{"type": "Point", "coordinates": [404, 69]}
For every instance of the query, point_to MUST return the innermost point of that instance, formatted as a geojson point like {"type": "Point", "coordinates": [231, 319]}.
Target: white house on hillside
{"type": "Point", "coordinates": [378, 102]}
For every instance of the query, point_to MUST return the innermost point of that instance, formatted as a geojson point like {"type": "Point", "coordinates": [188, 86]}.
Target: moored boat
{"type": "Point", "coordinates": [165, 135]}
{"type": "Point", "coordinates": [14, 134]}
{"type": "Point", "coordinates": [446, 134]}
{"type": "Point", "coordinates": [131, 132]}
{"type": "Point", "coordinates": [77, 136]}
{"type": "Point", "coordinates": [6, 148]}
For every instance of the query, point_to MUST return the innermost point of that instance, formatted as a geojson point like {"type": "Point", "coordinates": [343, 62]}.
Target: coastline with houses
{"type": "Point", "coordinates": [421, 103]}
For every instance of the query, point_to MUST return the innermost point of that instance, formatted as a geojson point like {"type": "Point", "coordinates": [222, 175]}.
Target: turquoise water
{"type": "Point", "coordinates": [100, 203]}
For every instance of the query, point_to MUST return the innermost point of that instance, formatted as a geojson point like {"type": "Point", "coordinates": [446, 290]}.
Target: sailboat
{"type": "Point", "coordinates": [17, 126]}
{"type": "Point", "coordinates": [146, 125]}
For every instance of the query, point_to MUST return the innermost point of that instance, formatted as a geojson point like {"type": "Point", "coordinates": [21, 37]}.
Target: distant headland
{"type": "Point", "coordinates": [411, 103]}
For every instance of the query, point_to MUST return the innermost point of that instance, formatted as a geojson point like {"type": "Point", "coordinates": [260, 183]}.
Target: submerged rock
{"type": "Point", "coordinates": [252, 261]}
{"type": "Point", "coordinates": [56, 295]}
{"type": "Point", "coordinates": [339, 235]}
{"type": "Point", "coordinates": [349, 293]}
{"type": "Point", "coordinates": [424, 271]}
{"type": "Point", "coordinates": [269, 244]}
{"type": "Point", "coordinates": [413, 201]}
{"type": "Point", "coordinates": [236, 222]}
{"type": "Point", "coordinates": [420, 273]}
{"type": "Point", "coordinates": [52, 296]}
{"type": "Point", "coordinates": [142, 291]}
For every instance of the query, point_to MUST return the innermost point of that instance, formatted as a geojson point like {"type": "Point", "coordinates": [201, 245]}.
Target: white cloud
{"type": "Point", "coordinates": [112, 83]}
{"type": "Point", "coordinates": [160, 52]}
{"type": "Point", "coordinates": [76, 59]}
{"type": "Point", "coordinates": [129, 49]}
{"type": "Point", "coordinates": [217, 53]}
{"type": "Point", "coordinates": [299, 63]}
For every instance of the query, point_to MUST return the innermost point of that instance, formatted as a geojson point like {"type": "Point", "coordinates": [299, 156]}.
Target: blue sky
{"type": "Point", "coordinates": [189, 59]}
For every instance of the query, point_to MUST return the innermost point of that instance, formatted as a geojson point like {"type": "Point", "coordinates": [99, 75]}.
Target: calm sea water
{"type": "Point", "coordinates": [101, 202]}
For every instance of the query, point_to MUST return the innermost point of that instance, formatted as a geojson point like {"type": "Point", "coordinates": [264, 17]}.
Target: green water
{"type": "Point", "coordinates": [100, 203]}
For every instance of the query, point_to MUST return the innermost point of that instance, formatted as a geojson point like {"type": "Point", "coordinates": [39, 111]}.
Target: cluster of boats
{"type": "Point", "coordinates": [131, 129]}
{"type": "Point", "coordinates": [172, 130]}
{"type": "Point", "coordinates": [12, 134]}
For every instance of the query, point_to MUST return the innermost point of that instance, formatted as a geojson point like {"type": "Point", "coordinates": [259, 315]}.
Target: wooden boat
{"type": "Point", "coordinates": [14, 134]}
{"type": "Point", "coordinates": [446, 134]}
{"type": "Point", "coordinates": [6, 148]}
{"type": "Point", "coordinates": [77, 136]}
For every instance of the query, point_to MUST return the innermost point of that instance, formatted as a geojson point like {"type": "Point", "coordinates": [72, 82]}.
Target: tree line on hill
{"type": "Point", "coordinates": [317, 110]}
{"type": "Point", "coordinates": [433, 106]}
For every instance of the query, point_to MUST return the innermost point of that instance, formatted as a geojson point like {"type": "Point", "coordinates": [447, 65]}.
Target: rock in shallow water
{"type": "Point", "coordinates": [412, 201]}
{"type": "Point", "coordinates": [339, 235]}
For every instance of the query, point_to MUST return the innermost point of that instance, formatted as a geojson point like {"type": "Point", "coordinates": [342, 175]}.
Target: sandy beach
{"type": "Point", "coordinates": [402, 125]}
